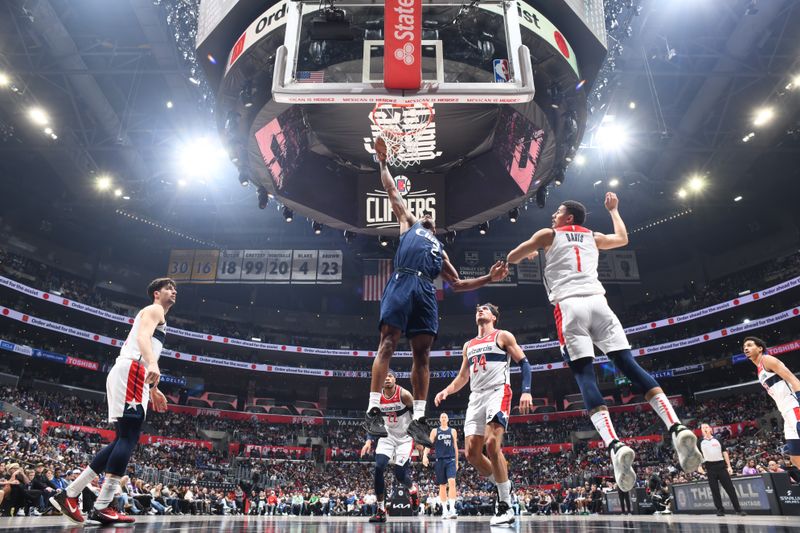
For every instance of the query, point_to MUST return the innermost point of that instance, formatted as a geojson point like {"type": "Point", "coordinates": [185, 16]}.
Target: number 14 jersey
{"type": "Point", "coordinates": [489, 364]}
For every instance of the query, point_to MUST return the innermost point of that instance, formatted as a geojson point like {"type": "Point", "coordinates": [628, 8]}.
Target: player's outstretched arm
{"type": "Point", "coordinates": [399, 207]}
{"type": "Point", "coordinates": [508, 342]}
{"type": "Point", "coordinates": [449, 273]}
{"type": "Point", "coordinates": [541, 239]}
{"type": "Point", "coordinates": [620, 236]}
{"type": "Point", "coordinates": [458, 382]}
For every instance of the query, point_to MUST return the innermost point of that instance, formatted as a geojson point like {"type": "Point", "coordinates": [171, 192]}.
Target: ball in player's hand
{"type": "Point", "coordinates": [380, 148]}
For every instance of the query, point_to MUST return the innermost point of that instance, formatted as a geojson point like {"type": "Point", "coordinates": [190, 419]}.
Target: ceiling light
{"type": "Point", "coordinates": [194, 81]}
{"type": "Point", "coordinates": [201, 157]}
{"type": "Point", "coordinates": [763, 116]}
{"type": "Point", "coordinates": [613, 182]}
{"type": "Point", "coordinates": [610, 136]}
{"type": "Point", "coordinates": [183, 182]}
{"type": "Point", "coordinates": [263, 197]}
{"type": "Point", "coordinates": [598, 182]}
{"type": "Point", "coordinates": [103, 183]}
{"type": "Point", "coordinates": [513, 215]}
{"type": "Point", "coordinates": [5, 79]}
{"type": "Point", "coordinates": [244, 178]}
{"type": "Point", "coordinates": [349, 236]}
{"type": "Point", "coordinates": [38, 116]}
{"type": "Point", "coordinates": [383, 241]}
{"type": "Point", "coordinates": [117, 192]}
{"type": "Point", "coordinates": [316, 227]}
{"type": "Point", "coordinates": [632, 105]}
{"type": "Point", "coordinates": [483, 228]}
{"type": "Point", "coordinates": [169, 104]}
{"type": "Point", "coordinates": [48, 130]}
{"type": "Point", "coordinates": [737, 199]}
{"type": "Point", "coordinates": [580, 160]}
{"type": "Point", "coordinates": [126, 197]}
{"type": "Point", "coordinates": [682, 193]}
{"type": "Point", "coordinates": [288, 214]}
{"type": "Point", "coordinates": [696, 183]}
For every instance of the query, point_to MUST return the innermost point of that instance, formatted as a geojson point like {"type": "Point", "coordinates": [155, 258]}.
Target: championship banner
{"type": "Point", "coordinates": [262, 367]}
{"type": "Point", "coordinates": [284, 265]}
{"type": "Point", "coordinates": [402, 56]}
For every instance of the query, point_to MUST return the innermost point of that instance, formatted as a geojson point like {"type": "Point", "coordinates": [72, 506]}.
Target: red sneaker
{"type": "Point", "coordinates": [69, 507]}
{"type": "Point", "coordinates": [109, 516]}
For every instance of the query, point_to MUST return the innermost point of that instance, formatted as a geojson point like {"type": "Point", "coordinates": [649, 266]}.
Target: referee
{"type": "Point", "coordinates": [717, 464]}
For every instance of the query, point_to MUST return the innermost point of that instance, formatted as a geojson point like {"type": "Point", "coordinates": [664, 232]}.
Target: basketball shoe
{"type": "Point", "coordinates": [685, 443]}
{"type": "Point", "coordinates": [622, 457]}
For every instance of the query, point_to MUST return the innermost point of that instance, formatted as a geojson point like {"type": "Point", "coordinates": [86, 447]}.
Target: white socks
{"type": "Point", "coordinates": [381, 505]}
{"type": "Point", "coordinates": [602, 423]}
{"type": "Point", "coordinates": [419, 409]}
{"type": "Point", "coordinates": [374, 401]}
{"type": "Point", "coordinates": [663, 407]}
{"type": "Point", "coordinates": [452, 503]}
{"type": "Point", "coordinates": [107, 492]}
{"type": "Point", "coordinates": [491, 478]}
{"type": "Point", "coordinates": [504, 491]}
{"type": "Point", "coordinates": [76, 487]}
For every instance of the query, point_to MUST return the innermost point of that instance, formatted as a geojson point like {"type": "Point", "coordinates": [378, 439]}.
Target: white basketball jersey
{"type": "Point", "coordinates": [396, 414]}
{"type": "Point", "coordinates": [489, 365]}
{"type": "Point", "coordinates": [130, 349]}
{"type": "Point", "coordinates": [781, 392]}
{"type": "Point", "coordinates": [571, 264]}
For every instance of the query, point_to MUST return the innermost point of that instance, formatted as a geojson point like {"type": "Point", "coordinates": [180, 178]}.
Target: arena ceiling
{"type": "Point", "coordinates": [104, 72]}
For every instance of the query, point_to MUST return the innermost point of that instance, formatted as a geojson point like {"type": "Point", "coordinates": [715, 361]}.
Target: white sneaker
{"type": "Point", "coordinates": [504, 515]}
{"type": "Point", "coordinates": [453, 515]}
{"type": "Point", "coordinates": [685, 443]}
{"type": "Point", "coordinates": [20, 512]}
{"type": "Point", "coordinates": [622, 458]}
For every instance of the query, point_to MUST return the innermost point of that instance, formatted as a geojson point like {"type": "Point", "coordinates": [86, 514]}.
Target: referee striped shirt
{"type": "Point", "coordinates": [712, 450]}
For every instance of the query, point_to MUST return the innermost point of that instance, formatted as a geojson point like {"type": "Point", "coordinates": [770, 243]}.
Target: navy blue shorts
{"type": "Point", "coordinates": [793, 446]}
{"type": "Point", "coordinates": [445, 469]}
{"type": "Point", "coordinates": [409, 304]}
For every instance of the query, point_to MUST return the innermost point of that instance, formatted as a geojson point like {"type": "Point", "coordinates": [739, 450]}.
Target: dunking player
{"type": "Point", "coordinates": [783, 386]}
{"type": "Point", "coordinates": [131, 384]}
{"type": "Point", "coordinates": [409, 304]}
{"type": "Point", "coordinates": [445, 439]}
{"type": "Point", "coordinates": [583, 319]}
{"type": "Point", "coordinates": [485, 364]}
{"type": "Point", "coordinates": [396, 404]}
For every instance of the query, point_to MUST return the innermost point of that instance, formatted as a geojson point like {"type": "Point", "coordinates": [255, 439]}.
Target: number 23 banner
{"type": "Point", "coordinates": [256, 266]}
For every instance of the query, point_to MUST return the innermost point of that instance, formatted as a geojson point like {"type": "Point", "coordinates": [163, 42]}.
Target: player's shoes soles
{"type": "Point", "coordinates": [109, 516]}
{"type": "Point", "coordinates": [685, 442]}
{"type": "Point", "coordinates": [420, 432]}
{"type": "Point", "coordinates": [373, 423]}
{"type": "Point", "coordinates": [379, 517]}
{"type": "Point", "coordinates": [504, 515]}
{"type": "Point", "coordinates": [69, 507]}
{"type": "Point", "coordinates": [622, 458]}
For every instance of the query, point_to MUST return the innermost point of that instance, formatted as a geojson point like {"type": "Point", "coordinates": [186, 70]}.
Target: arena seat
{"type": "Point", "coordinates": [575, 406]}
{"type": "Point", "coordinates": [309, 412]}
{"type": "Point", "coordinates": [256, 409]}
{"type": "Point", "coordinates": [198, 402]}
{"type": "Point", "coordinates": [540, 401]}
{"type": "Point", "coordinates": [610, 400]}
{"type": "Point", "coordinates": [543, 409]}
{"type": "Point", "coordinates": [570, 399]}
{"type": "Point", "coordinates": [264, 401]}
{"type": "Point", "coordinates": [306, 405]}
{"type": "Point", "coordinates": [225, 406]}
{"type": "Point", "coordinates": [279, 410]}
{"type": "Point", "coordinates": [636, 398]}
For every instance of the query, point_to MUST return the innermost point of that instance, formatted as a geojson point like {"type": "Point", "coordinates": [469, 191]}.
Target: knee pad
{"type": "Point", "coordinates": [624, 361]}
{"type": "Point", "coordinates": [583, 370]}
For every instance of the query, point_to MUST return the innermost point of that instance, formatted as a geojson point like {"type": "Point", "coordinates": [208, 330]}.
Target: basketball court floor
{"type": "Point", "coordinates": [525, 524]}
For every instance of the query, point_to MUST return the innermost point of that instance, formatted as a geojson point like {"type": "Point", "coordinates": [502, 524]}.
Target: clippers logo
{"type": "Point", "coordinates": [405, 54]}
{"type": "Point", "coordinates": [403, 185]}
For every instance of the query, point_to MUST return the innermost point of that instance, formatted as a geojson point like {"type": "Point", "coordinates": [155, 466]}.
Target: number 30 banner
{"type": "Point", "coordinates": [256, 266]}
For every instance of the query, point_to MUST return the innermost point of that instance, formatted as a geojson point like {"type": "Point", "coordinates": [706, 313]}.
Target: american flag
{"type": "Point", "coordinates": [310, 76]}
{"type": "Point", "coordinates": [376, 274]}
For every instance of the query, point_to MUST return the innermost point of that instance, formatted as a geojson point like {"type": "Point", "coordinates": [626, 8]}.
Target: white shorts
{"type": "Point", "coordinates": [397, 449]}
{"type": "Point", "coordinates": [125, 388]}
{"type": "Point", "coordinates": [487, 406]}
{"type": "Point", "coordinates": [790, 421]}
{"type": "Point", "coordinates": [583, 322]}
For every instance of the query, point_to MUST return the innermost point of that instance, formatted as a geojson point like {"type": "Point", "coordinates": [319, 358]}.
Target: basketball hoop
{"type": "Point", "coordinates": [401, 125]}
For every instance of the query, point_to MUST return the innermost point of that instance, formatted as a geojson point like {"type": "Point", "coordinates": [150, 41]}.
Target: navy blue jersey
{"type": "Point", "coordinates": [445, 447]}
{"type": "Point", "coordinates": [419, 250]}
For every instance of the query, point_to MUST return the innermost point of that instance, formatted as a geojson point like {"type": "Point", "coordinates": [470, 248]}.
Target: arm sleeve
{"type": "Point", "coordinates": [525, 367]}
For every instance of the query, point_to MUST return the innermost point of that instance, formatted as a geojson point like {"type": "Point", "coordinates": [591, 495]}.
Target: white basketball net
{"type": "Point", "coordinates": [402, 126]}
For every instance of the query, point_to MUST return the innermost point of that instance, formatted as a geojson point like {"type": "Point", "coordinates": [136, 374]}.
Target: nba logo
{"type": "Point", "coordinates": [501, 70]}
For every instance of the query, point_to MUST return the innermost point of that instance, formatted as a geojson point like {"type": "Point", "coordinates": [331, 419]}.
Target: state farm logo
{"type": "Point", "coordinates": [405, 54]}
{"type": "Point", "coordinates": [404, 31]}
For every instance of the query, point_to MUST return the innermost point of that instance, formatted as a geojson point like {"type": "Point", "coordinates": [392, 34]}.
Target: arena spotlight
{"type": "Point", "coordinates": [103, 182]}
{"type": "Point", "coordinates": [200, 157]}
{"type": "Point", "coordinates": [383, 240]}
{"type": "Point", "coordinates": [541, 197]}
{"type": "Point", "coordinates": [613, 182]}
{"type": "Point", "coordinates": [611, 137]}
{"type": "Point", "coordinates": [483, 228]}
{"type": "Point", "coordinates": [737, 199]}
{"type": "Point", "coordinates": [316, 227]}
{"type": "Point", "coordinates": [580, 160]}
{"type": "Point", "coordinates": [246, 94]}
{"type": "Point", "coordinates": [38, 116]}
{"type": "Point", "coordinates": [244, 178]}
{"type": "Point", "coordinates": [288, 214]}
{"type": "Point", "coordinates": [169, 104]}
{"type": "Point", "coordinates": [263, 197]}
{"type": "Point", "coordinates": [559, 177]}
{"type": "Point", "coordinates": [349, 236]}
{"type": "Point", "coordinates": [682, 193]}
{"type": "Point", "coordinates": [117, 192]}
{"type": "Point", "coordinates": [696, 183]}
{"type": "Point", "coordinates": [513, 215]}
{"type": "Point", "coordinates": [5, 79]}
{"type": "Point", "coordinates": [632, 105]}
{"type": "Point", "coordinates": [763, 116]}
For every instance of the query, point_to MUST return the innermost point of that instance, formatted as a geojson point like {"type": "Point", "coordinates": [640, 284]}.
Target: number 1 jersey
{"type": "Point", "coordinates": [571, 264]}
